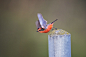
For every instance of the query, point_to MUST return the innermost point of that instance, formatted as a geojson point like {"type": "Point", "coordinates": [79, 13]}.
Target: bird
{"type": "Point", "coordinates": [42, 26]}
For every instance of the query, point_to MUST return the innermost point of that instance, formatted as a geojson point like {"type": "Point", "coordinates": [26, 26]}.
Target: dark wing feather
{"type": "Point", "coordinates": [38, 24]}
{"type": "Point", "coordinates": [43, 22]}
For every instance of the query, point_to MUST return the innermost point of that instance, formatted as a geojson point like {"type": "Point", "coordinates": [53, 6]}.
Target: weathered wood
{"type": "Point", "coordinates": [59, 42]}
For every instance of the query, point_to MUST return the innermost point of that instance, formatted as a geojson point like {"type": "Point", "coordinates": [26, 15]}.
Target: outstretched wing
{"type": "Point", "coordinates": [38, 24]}
{"type": "Point", "coordinates": [43, 22]}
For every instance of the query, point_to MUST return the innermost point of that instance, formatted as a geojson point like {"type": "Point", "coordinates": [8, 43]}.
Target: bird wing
{"type": "Point", "coordinates": [38, 24]}
{"type": "Point", "coordinates": [43, 22]}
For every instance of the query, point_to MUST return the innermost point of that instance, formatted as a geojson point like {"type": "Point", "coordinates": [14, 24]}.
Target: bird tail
{"type": "Point", "coordinates": [54, 21]}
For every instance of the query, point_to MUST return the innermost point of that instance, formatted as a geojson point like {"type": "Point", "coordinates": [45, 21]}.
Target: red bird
{"type": "Point", "coordinates": [42, 25]}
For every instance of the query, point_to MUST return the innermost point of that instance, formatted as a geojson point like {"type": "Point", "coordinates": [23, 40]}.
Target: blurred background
{"type": "Point", "coordinates": [18, 36]}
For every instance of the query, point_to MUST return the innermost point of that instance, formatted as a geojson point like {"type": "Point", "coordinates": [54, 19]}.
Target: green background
{"type": "Point", "coordinates": [18, 36]}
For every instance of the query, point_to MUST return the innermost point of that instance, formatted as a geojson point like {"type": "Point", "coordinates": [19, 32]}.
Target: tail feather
{"type": "Point", "coordinates": [54, 21]}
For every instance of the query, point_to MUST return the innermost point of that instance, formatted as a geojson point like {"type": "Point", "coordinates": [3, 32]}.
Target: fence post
{"type": "Point", "coordinates": [59, 43]}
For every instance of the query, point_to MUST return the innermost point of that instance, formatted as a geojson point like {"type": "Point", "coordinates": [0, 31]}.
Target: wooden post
{"type": "Point", "coordinates": [59, 43]}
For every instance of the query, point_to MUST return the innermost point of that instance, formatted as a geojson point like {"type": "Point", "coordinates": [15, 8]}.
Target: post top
{"type": "Point", "coordinates": [59, 32]}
